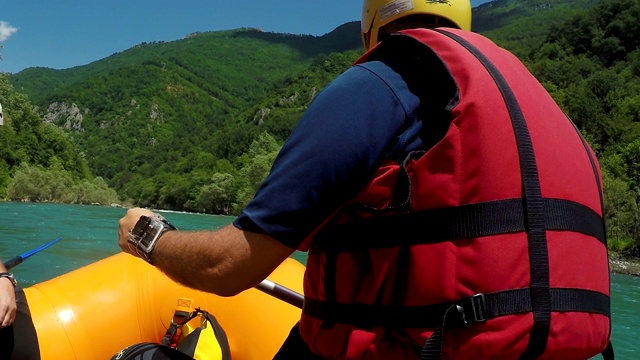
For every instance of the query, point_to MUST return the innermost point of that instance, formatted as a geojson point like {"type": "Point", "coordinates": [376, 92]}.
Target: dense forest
{"type": "Point", "coordinates": [195, 124]}
{"type": "Point", "coordinates": [40, 161]}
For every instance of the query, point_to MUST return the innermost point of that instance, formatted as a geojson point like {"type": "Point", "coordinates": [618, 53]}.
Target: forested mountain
{"type": "Point", "coordinates": [522, 25]}
{"type": "Point", "coordinates": [194, 124]}
{"type": "Point", "coordinates": [40, 161]}
{"type": "Point", "coordinates": [161, 117]}
{"type": "Point", "coordinates": [216, 57]}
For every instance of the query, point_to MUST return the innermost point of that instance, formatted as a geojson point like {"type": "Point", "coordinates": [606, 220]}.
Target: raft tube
{"type": "Point", "coordinates": [97, 310]}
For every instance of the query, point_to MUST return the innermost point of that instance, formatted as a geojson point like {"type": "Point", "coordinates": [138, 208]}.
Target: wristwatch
{"type": "Point", "coordinates": [146, 232]}
{"type": "Point", "coordinates": [11, 278]}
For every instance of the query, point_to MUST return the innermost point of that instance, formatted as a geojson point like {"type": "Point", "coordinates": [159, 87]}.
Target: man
{"type": "Point", "coordinates": [430, 184]}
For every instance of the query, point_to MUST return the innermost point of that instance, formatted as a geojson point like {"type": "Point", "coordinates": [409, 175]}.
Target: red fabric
{"type": "Point", "coordinates": [477, 161]}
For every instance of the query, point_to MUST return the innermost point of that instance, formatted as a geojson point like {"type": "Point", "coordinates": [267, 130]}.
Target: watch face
{"type": "Point", "coordinates": [145, 234]}
{"type": "Point", "coordinates": [141, 230]}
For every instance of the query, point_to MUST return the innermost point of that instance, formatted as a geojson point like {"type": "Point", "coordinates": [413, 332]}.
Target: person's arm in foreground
{"type": "Point", "coordinates": [8, 304]}
{"type": "Point", "coordinates": [226, 261]}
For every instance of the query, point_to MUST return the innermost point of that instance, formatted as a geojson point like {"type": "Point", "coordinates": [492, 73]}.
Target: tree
{"type": "Point", "coordinates": [621, 215]}
{"type": "Point", "coordinates": [219, 196]}
{"type": "Point", "coordinates": [256, 164]}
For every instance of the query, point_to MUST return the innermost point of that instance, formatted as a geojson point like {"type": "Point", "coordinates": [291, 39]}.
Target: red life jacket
{"type": "Point", "coordinates": [499, 249]}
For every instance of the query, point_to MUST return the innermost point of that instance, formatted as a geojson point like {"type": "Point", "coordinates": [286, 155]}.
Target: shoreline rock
{"type": "Point", "coordinates": [624, 266]}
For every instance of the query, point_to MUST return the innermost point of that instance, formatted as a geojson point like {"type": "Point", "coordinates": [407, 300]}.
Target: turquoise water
{"type": "Point", "coordinates": [90, 233]}
{"type": "Point", "coordinates": [625, 306]}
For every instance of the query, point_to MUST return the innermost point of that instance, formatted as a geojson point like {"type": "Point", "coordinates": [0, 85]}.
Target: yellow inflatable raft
{"type": "Point", "coordinates": [96, 311]}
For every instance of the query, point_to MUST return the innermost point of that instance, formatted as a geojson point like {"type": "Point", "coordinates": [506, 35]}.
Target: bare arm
{"type": "Point", "coordinates": [225, 261]}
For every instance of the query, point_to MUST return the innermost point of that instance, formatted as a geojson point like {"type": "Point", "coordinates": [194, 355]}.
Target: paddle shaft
{"type": "Point", "coordinates": [280, 292]}
{"type": "Point", "coordinates": [22, 257]}
{"type": "Point", "coordinates": [10, 264]}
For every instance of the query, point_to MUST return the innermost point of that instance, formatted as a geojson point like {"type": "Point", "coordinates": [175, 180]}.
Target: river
{"type": "Point", "coordinates": [89, 233]}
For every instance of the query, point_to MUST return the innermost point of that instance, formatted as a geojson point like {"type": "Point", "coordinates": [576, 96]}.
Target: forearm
{"type": "Point", "coordinates": [225, 262]}
{"type": "Point", "coordinates": [8, 304]}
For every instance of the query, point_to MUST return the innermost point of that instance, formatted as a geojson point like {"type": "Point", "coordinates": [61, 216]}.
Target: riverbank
{"type": "Point", "coordinates": [624, 266]}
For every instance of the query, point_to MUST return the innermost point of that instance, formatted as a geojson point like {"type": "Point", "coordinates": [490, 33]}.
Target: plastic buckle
{"type": "Point", "coordinates": [474, 309]}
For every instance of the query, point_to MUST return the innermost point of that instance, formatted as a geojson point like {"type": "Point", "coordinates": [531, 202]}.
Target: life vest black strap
{"type": "Point", "coordinates": [474, 309]}
{"type": "Point", "coordinates": [432, 349]}
{"type": "Point", "coordinates": [608, 353]}
{"type": "Point", "coordinates": [534, 210]}
{"type": "Point", "coordinates": [562, 300]}
{"type": "Point", "coordinates": [457, 223]}
{"type": "Point", "coordinates": [330, 281]}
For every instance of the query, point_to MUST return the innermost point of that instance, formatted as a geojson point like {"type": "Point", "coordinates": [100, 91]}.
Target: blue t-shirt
{"type": "Point", "coordinates": [364, 116]}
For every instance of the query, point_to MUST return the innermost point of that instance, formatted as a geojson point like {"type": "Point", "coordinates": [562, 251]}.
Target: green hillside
{"type": "Point", "coordinates": [40, 161]}
{"type": "Point", "coordinates": [179, 108]}
{"type": "Point", "coordinates": [216, 57]}
{"type": "Point", "coordinates": [523, 25]}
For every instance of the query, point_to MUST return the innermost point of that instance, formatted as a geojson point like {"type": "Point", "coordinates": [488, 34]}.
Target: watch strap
{"type": "Point", "coordinates": [9, 276]}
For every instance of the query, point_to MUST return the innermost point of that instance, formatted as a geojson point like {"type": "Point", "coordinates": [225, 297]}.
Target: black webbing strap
{"type": "Point", "coordinates": [330, 287]}
{"type": "Point", "coordinates": [432, 348]}
{"type": "Point", "coordinates": [221, 335]}
{"type": "Point", "coordinates": [607, 353]}
{"type": "Point", "coordinates": [533, 206]}
{"type": "Point", "coordinates": [172, 330]}
{"type": "Point", "coordinates": [476, 308]}
{"type": "Point", "coordinates": [179, 318]}
{"type": "Point", "coordinates": [456, 223]}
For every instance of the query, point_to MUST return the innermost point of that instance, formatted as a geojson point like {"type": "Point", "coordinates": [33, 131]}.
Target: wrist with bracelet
{"type": "Point", "coordinates": [145, 234]}
{"type": "Point", "coordinates": [9, 276]}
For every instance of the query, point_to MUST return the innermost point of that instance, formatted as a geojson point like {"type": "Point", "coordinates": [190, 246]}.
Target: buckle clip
{"type": "Point", "coordinates": [473, 309]}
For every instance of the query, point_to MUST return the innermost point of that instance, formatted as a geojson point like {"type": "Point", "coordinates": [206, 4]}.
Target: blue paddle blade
{"type": "Point", "coordinates": [20, 258]}
{"type": "Point", "coordinates": [39, 248]}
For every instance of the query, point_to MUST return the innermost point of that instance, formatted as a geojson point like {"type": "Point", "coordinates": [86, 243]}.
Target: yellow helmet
{"type": "Point", "coordinates": [426, 13]}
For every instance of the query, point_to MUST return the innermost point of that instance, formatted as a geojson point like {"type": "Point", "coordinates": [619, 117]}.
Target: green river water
{"type": "Point", "coordinates": [89, 233]}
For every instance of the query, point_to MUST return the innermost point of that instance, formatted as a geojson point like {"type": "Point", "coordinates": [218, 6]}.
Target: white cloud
{"type": "Point", "coordinates": [6, 30]}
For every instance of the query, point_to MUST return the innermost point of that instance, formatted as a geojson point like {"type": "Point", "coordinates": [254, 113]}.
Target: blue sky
{"type": "Point", "coordinates": [70, 33]}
